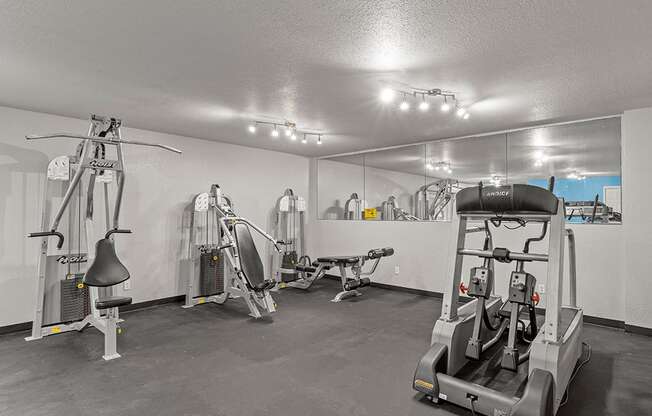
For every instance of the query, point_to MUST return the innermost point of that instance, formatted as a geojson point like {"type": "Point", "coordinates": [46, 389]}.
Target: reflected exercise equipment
{"type": "Point", "coordinates": [86, 296]}
{"type": "Point", "coordinates": [466, 364]}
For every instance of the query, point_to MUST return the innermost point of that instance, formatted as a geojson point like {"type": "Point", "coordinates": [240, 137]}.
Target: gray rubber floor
{"type": "Point", "coordinates": [354, 358]}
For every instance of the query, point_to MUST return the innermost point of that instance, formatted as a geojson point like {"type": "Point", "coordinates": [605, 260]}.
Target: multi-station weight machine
{"type": "Point", "coordinates": [83, 296]}
{"type": "Point", "coordinates": [222, 248]}
{"type": "Point", "coordinates": [289, 226]}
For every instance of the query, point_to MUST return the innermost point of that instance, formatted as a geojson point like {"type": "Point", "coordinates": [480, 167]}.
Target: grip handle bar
{"type": "Point", "coordinates": [380, 252]}
{"type": "Point", "coordinates": [101, 140]}
{"type": "Point", "coordinates": [48, 233]}
{"type": "Point", "coordinates": [116, 231]}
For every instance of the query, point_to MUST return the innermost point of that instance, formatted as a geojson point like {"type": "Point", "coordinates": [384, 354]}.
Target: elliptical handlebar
{"type": "Point", "coordinates": [116, 231]}
{"type": "Point", "coordinates": [101, 140]}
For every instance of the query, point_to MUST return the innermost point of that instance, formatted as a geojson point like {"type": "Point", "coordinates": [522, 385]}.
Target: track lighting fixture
{"type": "Point", "coordinates": [388, 94]}
{"type": "Point", "coordinates": [440, 166]}
{"type": "Point", "coordinates": [289, 129]}
{"type": "Point", "coordinates": [424, 105]}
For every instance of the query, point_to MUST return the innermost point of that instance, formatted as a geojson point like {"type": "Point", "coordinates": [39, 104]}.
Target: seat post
{"type": "Point", "coordinates": [110, 335]}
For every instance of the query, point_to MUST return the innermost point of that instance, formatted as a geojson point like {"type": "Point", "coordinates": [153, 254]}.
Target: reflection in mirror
{"type": "Point", "coordinates": [341, 188]}
{"type": "Point", "coordinates": [391, 177]}
{"type": "Point", "coordinates": [455, 164]}
{"type": "Point", "coordinates": [585, 160]}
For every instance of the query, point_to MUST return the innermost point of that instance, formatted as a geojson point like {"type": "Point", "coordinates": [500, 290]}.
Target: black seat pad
{"type": "Point", "coordinates": [112, 302]}
{"type": "Point", "coordinates": [250, 263]}
{"type": "Point", "coordinates": [506, 198]}
{"type": "Point", "coordinates": [106, 270]}
{"type": "Point", "coordinates": [339, 259]}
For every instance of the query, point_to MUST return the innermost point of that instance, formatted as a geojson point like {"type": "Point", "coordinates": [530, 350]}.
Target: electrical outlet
{"type": "Point", "coordinates": [541, 288]}
{"type": "Point", "coordinates": [127, 285]}
{"type": "Point", "coordinates": [397, 269]}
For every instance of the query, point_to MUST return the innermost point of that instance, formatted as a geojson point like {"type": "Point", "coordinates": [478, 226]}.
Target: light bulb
{"type": "Point", "coordinates": [437, 167]}
{"type": "Point", "coordinates": [252, 128]}
{"type": "Point", "coordinates": [318, 139]}
{"type": "Point", "coordinates": [405, 106]}
{"type": "Point", "coordinates": [274, 132]}
{"type": "Point", "coordinates": [461, 111]}
{"type": "Point", "coordinates": [466, 116]}
{"type": "Point", "coordinates": [424, 106]}
{"type": "Point", "coordinates": [304, 140]}
{"type": "Point", "coordinates": [538, 163]}
{"type": "Point", "coordinates": [293, 136]}
{"type": "Point", "coordinates": [288, 132]}
{"type": "Point", "coordinates": [449, 170]}
{"type": "Point", "coordinates": [387, 95]}
{"type": "Point", "coordinates": [445, 107]}
{"type": "Point", "coordinates": [429, 166]}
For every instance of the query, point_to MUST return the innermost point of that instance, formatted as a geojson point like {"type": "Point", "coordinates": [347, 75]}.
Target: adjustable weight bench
{"type": "Point", "coordinates": [308, 273]}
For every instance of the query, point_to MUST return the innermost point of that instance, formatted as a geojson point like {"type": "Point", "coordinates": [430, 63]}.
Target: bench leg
{"type": "Point", "coordinates": [110, 335]}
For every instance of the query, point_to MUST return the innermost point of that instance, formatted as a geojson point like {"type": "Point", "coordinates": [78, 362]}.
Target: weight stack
{"type": "Point", "coordinates": [288, 266]}
{"type": "Point", "coordinates": [75, 302]}
{"type": "Point", "coordinates": [211, 273]}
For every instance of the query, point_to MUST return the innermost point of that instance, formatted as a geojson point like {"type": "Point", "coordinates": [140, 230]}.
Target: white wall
{"type": "Point", "coordinates": [159, 187]}
{"type": "Point", "coordinates": [637, 222]}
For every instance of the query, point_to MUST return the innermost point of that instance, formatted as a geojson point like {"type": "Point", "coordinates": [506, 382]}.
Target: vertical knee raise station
{"type": "Point", "coordinates": [465, 364]}
{"type": "Point", "coordinates": [86, 297]}
{"type": "Point", "coordinates": [216, 234]}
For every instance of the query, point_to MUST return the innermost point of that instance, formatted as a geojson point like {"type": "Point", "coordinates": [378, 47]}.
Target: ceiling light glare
{"type": "Point", "coordinates": [304, 140]}
{"type": "Point", "coordinates": [429, 166]}
{"type": "Point", "coordinates": [449, 170]}
{"type": "Point", "coordinates": [466, 116]}
{"type": "Point", "coordinates": [293, 136]}
{"type": "Point", "coordinates": [387, 95]}
{"type": "Point", "coordinates": [274, 132]}
{"type": "Point", "coordinates": [424, 106]}
{"type": "Point", "coordinates": [404, 106]}
{"type": "Point", "coordinates": [319, 139]}
{"type": "Point", "coordinates": [445, 107]}
{"type": "Point", "coordinates": [252, 129]}
{"type": "Point", "coordinates": [288, 132]}
{"type": "Point", "coordinates": [461, 111]}
{"type": "Point", "coordinates": [538, 163]}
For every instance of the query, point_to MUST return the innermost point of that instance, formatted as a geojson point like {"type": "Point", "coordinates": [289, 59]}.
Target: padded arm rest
{"type": "Point", "coordinates": [112, 302]}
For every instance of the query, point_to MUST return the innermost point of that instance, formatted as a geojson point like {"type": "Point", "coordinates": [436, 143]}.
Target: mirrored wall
{"type": "Point", "coordinates": [419, 182]}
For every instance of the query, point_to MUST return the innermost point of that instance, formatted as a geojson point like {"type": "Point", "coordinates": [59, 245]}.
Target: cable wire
{"type": "Point", "coordinates": [577, 370]}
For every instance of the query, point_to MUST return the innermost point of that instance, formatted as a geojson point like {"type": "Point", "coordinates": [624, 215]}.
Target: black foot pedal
{"type": "Point", "coordinates": [510, 359]}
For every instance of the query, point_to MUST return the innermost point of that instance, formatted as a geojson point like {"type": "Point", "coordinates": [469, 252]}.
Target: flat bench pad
{"type": "Point", "coordinates": [339, 259]}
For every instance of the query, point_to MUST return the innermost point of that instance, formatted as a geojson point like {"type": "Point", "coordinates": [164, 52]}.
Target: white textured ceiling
{"type": "Point", "coordinates": [203, 68]}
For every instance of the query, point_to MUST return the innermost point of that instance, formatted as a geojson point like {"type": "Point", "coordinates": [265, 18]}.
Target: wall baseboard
{"type": "Point", "coordinates": [26, 326]}
{"type": "Point", "coordinates": [594, 320]}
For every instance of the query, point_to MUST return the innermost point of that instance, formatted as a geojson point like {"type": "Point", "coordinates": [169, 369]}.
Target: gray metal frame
{"type": "Point", "coordinates": [106, 323]}
{"type": "Point", "coordinates": [555, 350]}
{"type": "Point", "coordinates": [235, 285]}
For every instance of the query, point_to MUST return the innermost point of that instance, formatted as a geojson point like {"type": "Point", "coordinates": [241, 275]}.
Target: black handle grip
{"type": "Point", "coordinates": [551, 184]}
{"type": "Point", "coordinates": [48, 233]}
{"type": "Point", "coordinates": [380, 252]}
{"type": "Point", "coordinates": [224, 246]}
{"type": "Point", "coordinates": [116, 231]}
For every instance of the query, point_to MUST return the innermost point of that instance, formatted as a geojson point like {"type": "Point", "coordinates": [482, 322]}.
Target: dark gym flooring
{"type": "Point", "coordinates": [354, 358]}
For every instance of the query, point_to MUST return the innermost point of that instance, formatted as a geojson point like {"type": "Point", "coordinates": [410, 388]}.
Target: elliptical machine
{"type": "Point", "coordinates": [465, 364]}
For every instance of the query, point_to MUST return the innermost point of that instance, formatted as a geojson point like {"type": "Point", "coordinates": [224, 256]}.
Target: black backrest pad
{"type": "Point", "coordinates": [506, 198]}
{"type": "Point", "coordinates": [252, 266]}
{"type": "Point", "coordinates": [106, 270]}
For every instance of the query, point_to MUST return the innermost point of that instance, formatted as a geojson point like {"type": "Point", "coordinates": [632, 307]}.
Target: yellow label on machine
{"type": "Point", "coordinates": [424, 384]}
{"type": "Point", "coordinates": [370, 213]}
{"type": "Point", "coordinates": [201, 300]}
{"type": "Point", "coordinates": [55, 330]}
